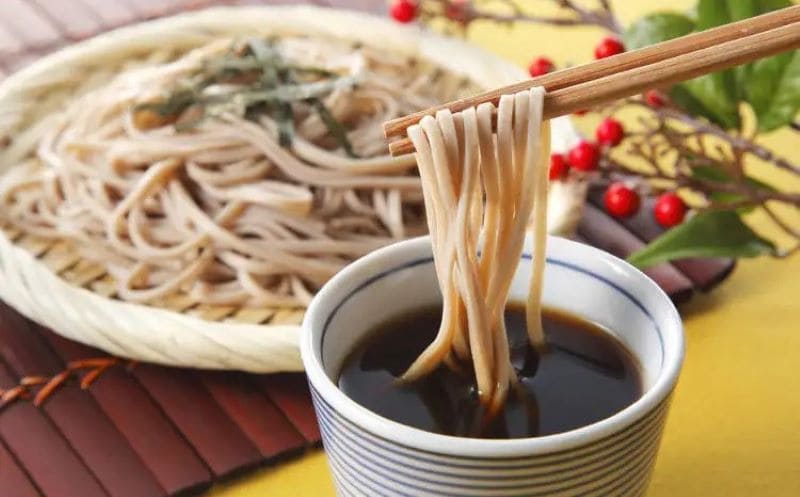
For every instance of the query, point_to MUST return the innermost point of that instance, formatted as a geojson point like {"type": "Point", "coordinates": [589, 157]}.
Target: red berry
{"type": "Point", "coordinates": [558, 166]}
{"type": "Point", "coordinates": [654, 99]}
{"type": "Point", "coordinates": [621, 201]}
{"type": "Point", "coordinates": [584, 156]}
{"type": "Point", "coordinates": [669, 210]}
{"type": "Point", "coordinates": [540, 66]}
{"type": "Point", "coordinates": [404, 11]}
{"type": "Point", "coordinates": [610, 132]}
{"type": "Point", "coordinates": [607, 47]}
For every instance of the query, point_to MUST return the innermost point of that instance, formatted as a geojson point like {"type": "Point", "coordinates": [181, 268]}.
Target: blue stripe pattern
{"type": "Point", "coordinates": [618, 465]}
{"type": "Point", "coordinates": [365, 464]}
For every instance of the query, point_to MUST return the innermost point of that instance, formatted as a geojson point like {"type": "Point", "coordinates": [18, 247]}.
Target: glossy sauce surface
{"type": "Point", "coordinates": [585, 375]}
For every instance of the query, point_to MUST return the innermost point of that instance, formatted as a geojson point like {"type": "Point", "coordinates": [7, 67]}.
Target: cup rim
{"type": "Point", "coordinates": [439, 444]}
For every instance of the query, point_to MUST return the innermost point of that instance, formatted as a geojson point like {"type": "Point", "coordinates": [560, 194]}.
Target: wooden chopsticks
{"type": "Point", "coordinates": [634, 72]}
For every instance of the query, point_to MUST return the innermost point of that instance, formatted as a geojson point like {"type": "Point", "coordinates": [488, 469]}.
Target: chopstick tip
{"type": "Point", "coordinates": [401, 147]}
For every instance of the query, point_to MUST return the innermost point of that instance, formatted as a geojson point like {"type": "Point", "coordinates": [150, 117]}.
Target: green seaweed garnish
{"type": "Point", "coordinates": [266, 86]}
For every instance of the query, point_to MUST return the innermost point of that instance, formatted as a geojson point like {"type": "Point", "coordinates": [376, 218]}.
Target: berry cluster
{"type": "Point", "coordinates": [620, 199]}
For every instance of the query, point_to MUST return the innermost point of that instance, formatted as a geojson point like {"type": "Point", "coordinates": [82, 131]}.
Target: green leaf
{"type": "Point", "coordinates": [770, 5]}
{"type": "Point", "coordinates": [717, 93]}
{"type": "Point", "coordinates": [711, 234]}
{"type": "Point", "coordinates": [711, 13]}
{"type": "Point", "coordinates": [656, 28]}
{"type": "Point", "coordinates": [713, 97]}
{"type": "Point", "coordinates": [684, 99]}
{"type": "Point", "coordinates": [718, 96]}
{"type": "Point", "coordinates": [774, 90]}
{"type": "Point", "coordinates": [743, 9]}
{"type": "Point", "coordinates": [771, 86]}
{"type": "Point", "coordinates": [659, 27]}
{"type": "Point", "coordinates": [738, 10]}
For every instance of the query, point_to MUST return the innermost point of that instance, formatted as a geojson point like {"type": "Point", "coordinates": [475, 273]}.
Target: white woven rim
{"type": "Point", "coordinates": [161, 336]}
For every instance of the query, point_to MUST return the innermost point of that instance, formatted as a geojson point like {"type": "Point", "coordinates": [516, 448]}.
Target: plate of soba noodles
{"type": "Point", "coordinates": [178, 191]}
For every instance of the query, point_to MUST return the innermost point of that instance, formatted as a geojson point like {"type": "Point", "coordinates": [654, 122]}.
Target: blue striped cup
{"type": "Point", "coordinates": [372, 456]}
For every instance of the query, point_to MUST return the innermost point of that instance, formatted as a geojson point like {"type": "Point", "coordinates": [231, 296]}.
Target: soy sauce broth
{"type": "Point", "coordinates": [585, 376]}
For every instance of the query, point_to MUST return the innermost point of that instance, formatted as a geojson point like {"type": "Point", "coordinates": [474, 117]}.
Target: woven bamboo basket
{"type": "Point", "coordinates": [51, 284]}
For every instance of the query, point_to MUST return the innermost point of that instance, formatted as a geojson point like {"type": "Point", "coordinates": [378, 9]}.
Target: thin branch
{"type": "Point", "coordinates": [576, 15]}
{"type": "Point", "coordinates": [644, 150]}
{"type": "Point", "coordinates": [780, 222]}
{"type": "Point", "coordinates": [510, 18]}
{"type": "Point", "coordinates": [700, 126]}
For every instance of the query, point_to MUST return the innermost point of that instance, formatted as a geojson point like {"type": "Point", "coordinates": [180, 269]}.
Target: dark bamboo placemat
{"type": "Point", "coordinates": [151, 431]}
{"type": "Point", "coordinates": [140, 431]}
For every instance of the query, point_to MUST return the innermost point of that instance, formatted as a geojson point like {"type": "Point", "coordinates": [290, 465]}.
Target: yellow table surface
{"type": "Point", "coordinates": [734, 427]}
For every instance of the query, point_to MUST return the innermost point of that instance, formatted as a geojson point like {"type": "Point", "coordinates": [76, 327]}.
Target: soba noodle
{"type": "Point", "coordinates": [224, 210]}
{"type": "Point", "coordinates": [481, 186]}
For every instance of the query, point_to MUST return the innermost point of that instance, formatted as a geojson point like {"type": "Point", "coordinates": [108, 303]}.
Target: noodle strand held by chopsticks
{"type": "Point", "coordinates": [482, 186]}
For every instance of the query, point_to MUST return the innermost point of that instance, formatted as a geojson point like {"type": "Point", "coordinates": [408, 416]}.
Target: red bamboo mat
{"type": "Point", "coordinates": [152, 431]}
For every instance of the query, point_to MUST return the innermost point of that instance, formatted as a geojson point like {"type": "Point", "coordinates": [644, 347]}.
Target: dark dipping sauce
{"type": "Point", "coordinates": [585, 375]}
